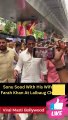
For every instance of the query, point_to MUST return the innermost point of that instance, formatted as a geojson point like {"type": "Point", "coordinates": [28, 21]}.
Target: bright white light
{"type": "Point", "coordinates": [66, 4]}
{"type": "Point", "coordinates": [2, 23]}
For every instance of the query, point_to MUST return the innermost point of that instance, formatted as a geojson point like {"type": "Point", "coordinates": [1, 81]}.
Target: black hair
{"type": "Point", "coordinates": [18, 44]}
{"type": "Point", "coordinates": [52, 40]}
{"type": "Point", "coordinates": [2, 36]}
{"type": "Point", "coordinates": [30, 37]}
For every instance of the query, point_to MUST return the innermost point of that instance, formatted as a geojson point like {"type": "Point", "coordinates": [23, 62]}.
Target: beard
{"type": "Point", "coordinates": [3, 48]}
{"type": "Point", "coordinates": [30, 50]}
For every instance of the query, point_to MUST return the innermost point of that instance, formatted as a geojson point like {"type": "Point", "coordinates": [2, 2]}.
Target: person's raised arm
{"type": "Point", "coordinates": [60, 67]}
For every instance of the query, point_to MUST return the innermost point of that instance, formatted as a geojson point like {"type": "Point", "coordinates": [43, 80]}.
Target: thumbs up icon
{"type": "Point", "coordinates": [56, 106]}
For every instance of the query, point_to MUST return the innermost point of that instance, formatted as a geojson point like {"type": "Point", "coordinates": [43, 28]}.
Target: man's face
{"type": "Point", "coordinates": [3, 44]}
{"type": "Point", "coordinates": [30, 45]}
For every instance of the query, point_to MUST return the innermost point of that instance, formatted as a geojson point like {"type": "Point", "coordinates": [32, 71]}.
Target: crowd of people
{"type": "Point", "coordinates": [17, 63]}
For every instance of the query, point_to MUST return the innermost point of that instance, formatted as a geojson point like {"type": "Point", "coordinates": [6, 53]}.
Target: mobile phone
{"type": "Point", "coordinates": [43, 52]}
{"type": "Point", "coordinates": [66, 61]}
{"type": "Point", "coordinates": [39, 52]}
{"type": "Point", "coordinates": [50, 53]}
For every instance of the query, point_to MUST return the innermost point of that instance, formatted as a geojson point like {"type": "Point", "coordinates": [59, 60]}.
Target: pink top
{"type": "Point", "coordinates": [53, 76]}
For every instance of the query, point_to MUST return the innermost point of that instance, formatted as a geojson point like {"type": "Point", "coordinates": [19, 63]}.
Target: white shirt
{"type": "Point", "coordinates": [31, 67]}
{"type": "Point", "coordinates": [23, 116]}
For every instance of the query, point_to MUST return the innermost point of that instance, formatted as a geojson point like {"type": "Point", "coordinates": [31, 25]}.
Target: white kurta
{"type": "Point", "coordinates": [31, 67]}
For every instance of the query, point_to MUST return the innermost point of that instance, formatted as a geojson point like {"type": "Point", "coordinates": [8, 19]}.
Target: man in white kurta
{"type": "Point", "coordinates": [31, 67]}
